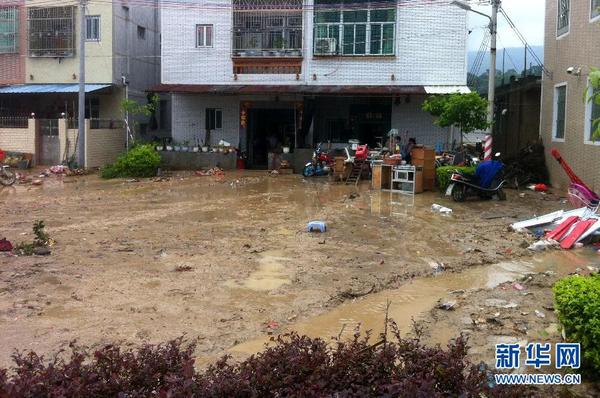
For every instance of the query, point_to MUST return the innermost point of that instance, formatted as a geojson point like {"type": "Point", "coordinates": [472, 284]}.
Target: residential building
{"type": "Point", "coordinates": [297, 72]}
{"type": "Point", "coordinates": [572, 46]}
{"type": "Point", "coordinates": [39, 63]}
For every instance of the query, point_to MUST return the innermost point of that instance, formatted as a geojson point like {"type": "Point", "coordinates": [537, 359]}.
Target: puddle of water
{"type": "Point", "coordinates": [414, 299]}
{"type": "Point", "coordinates": [270, 275]}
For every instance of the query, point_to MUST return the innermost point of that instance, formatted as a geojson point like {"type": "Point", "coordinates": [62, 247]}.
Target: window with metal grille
{"type": "Point", "coordinates": [595, 8]}
{"type": "Point", "coordinates": [204, 35]}
{"type": "Point", "coordinates": [560, 111]}
{"type": "Point", "coordinates": [51, 32]}
{"type": "Point", "coordinates": [9, 30]}
{"type": "Point", "coordinates": [214, 119]}
{"type": "Point", "coordinates": [562, 25]}
{"type": "Point", "coordinates": [92, 28]}
{"type": "Point", "coordinates": [346, 30]}
{"type": "Point", "coordinates": [267, 28]}
{"type": "Point", "coordinates": [141, 32]}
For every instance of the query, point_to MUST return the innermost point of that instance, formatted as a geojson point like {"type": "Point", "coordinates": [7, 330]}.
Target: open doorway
{"type": "Point", "coordinates": [268, 131]}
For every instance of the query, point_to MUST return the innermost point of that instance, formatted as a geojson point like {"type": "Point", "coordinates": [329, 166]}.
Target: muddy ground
{"type": "Point", "coordinates": [226, 260]}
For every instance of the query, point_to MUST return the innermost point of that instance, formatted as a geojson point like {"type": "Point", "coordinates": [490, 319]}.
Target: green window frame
{"type": "Point", "coordinates": [355, 32]}
{"type": "Point", "coordinates": [9, 30]}
{"type": "Point", "coordinates": [595, 8]}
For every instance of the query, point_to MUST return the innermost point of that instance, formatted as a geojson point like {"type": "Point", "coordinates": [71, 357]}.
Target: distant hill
{"type": "Point", "coordinates": [514, 58]}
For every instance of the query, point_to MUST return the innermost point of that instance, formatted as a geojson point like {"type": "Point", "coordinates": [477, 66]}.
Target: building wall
{"type": "Point", "coordinates": [189, 118]}
{"type": "Point", "coordinates": [410, 118]}
{"type": "Point", "coordinates": [103, 147]}
{"type": "Point", "coordinates": [19, 140]}
{"type": "Point", "coordinates": [580, 47]}
{"type": "Point", "coordinates": [430, 50]}
{"type": "Point", "coordinates": [66, 70]}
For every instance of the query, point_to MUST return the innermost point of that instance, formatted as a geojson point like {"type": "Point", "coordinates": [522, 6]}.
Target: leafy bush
{"type": "Point", "coordinates": [445, 172]}
{"type": "Point", "coordinates": [140, 161]}
{"type": "Point", "coordinates": [578, 305]}
{"type": "Point", "coordinates": [296, 366]}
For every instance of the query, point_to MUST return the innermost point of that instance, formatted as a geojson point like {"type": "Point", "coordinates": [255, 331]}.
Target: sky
{"type": "Point", "coordinates": [528, 16]}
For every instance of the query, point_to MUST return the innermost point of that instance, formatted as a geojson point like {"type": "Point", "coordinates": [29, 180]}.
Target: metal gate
{"type": "Point", "coordinates": [49, 142]}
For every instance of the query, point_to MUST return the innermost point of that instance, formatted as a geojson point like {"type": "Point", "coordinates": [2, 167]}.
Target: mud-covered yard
{"type": "Point", "coordinates": [226, 260]}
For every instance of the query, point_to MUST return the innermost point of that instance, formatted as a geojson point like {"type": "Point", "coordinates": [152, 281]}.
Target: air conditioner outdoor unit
{"type": "Point", "coordinates": [326, 46]}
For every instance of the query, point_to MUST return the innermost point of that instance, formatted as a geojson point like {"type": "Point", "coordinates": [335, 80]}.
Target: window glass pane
{"type": "Point", "coordinates": [563, 16]}
{"type": "Point", "coordinates": [561, 93]}
{"type": "Point", "coordinates": [218, 119]}
{"type": "Point", "coordinates": [383, 15]}
{"type": "Point", "coordinates": [349, 39]}
{"type": "Point", "coordinates": [200, 36]}
{"type": "Point", "coordinates": [360, 39]}
{"type": "Point", "coordinates": [388, 39]}
{"type": "Point", "coordinates": [355, 16]}
{"type": "Point", "coordinates": [595, 8]}
{"type": "Point", "coordinates": [208, 36]}
{"type": "Point", "coordinates": [327, 16]}
{"type": "Point", "coordinates": [375, 39]}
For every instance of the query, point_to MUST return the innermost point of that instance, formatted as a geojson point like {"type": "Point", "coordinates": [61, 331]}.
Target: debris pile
{"type": "Point", "coordinates": [527, 167]}
{"type": "Point", "coordinates": [215, 171]}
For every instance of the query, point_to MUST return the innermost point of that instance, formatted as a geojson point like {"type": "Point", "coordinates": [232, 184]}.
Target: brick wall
{"type": "Point", "coordinates": [580, 47]}
{"type": "Point", "coordinates": [103, 147]}
{"type": "Point", "coordinates": [19, 140]}
{"type": "Point", "coordinates": [430, 50]}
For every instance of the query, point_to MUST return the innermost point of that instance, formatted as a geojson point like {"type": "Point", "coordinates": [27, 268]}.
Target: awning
{"type": "Point", "coordinates": [286, 89]}
{"type": "Point", "coordinates": [447, 89]}
{"type": "Point", "coordinates": [50, 88]}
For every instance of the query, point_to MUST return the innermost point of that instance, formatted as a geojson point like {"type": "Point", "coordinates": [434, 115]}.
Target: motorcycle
{"type": "Point", "coordinates": [486, 183]}
{"type": "Point", "coordinates": [7, 177]}
{"type": "Point", "coordinates": [322, 164]}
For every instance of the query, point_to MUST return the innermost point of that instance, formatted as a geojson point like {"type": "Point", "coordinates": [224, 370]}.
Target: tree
{"type": "Point", "coordinates": [593, 95]}
{"type": "Point", "coordinates": [134, 108]}
{"type": "Point", "coordinates": [467, 112]}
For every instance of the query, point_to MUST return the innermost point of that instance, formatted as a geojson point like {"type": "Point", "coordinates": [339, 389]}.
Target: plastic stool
{"type": "Point", "coordinates": [315, 226]}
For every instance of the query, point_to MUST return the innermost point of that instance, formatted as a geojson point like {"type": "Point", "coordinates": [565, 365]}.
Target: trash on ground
{"type": "Point", "coordinates": [518, 286]}
{"type": "Point", "coordinates": [540, 314]}
{"type": "Point", "coordinates": [441, 209]}
{"type": "Point", "coordinates": [5, 245]}
{"type": "Point", "coordinates": [215, 171]}
{"type": "Point", "coordinates": [448, 306]}
{"type": "Point", "coordinates": [317, 226]}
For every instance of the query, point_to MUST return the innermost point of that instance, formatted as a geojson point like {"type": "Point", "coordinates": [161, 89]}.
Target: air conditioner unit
{"type": "Point", "coordinates": [326, 46]}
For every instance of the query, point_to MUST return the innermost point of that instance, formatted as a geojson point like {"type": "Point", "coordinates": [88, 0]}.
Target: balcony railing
{"type": "Point", "coordinates": [14, 122]}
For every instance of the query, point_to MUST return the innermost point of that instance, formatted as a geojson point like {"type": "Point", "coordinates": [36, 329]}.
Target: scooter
{"type": "Point", "coordinates": [486, 183]}
{"type": "Point", "coordinates": [321, 165]}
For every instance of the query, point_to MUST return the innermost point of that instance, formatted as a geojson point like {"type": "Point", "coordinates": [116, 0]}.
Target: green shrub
{"type": "Point", "coordinates": [578, 305]}
{"type": "Point", "coordinates": [140, 161]}
{"type": "Point", "coordinates": [445, 172]}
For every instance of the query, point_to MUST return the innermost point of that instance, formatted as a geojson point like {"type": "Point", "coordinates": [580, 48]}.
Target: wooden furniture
{"type": "Point", "coordinates": [425, 158]}
{"type": "Point", "coordinates": [404, 179]}
{"type": "Point", "coordinates": [382, 176]}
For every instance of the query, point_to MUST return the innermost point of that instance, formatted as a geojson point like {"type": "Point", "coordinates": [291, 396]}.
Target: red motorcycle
{"type": "Point", "coordinates": [321, 164]}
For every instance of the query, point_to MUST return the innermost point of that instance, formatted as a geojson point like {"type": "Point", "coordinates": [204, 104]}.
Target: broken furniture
{"type": "Point", "coordinates": [404, 179]}
{"type": "Point", "coordinates": [425, 158]}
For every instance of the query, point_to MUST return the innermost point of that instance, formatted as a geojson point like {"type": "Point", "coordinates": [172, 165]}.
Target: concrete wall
{"type": "Point", "coordinates": [19, 140]}
{"type": "Point", "coordinates": [66, 70]}
{"type": "Point", "coordinates": [430, 50]}
{"type": "Point", "coordinates": [409, 117]}
{"type": "Point", "coordinates": [68, 141]}
{"type": "Point", "coordinates": [580, 47]}
{"type": "Point", "coordinates": [103, 146]}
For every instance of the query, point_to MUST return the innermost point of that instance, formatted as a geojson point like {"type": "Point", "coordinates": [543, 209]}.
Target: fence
{"type": "Point", "coordinates": [14, 122]}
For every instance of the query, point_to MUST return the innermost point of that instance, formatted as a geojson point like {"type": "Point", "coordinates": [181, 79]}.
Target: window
{"type": "Point", "coordinates": [560, 111]}
{"type": "Point", "coordinates": [141, 31]}
{"type": "Point", "coordinates": [204, 35]}
{"type": "Point", "coordinates": [51, 31]}
{"type": "Point", "coordinates": [9, 30]}
{"type": "Point", "coordinates": [214, 119]}
{"type": "Point", "coordinates": [595, 8]}
{"type": "Point", "coordinates": [592, 114]}
{"type": "Point", "coordinates": [92, 28]}
{"type": "Point", "coordinates": [355, 31]}
{"type": "Point", "coordinates": [562, 24]}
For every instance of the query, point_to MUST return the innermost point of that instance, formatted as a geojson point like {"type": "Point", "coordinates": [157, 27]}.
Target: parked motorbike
{"type": "Point", "coordinates": [321, 164]}
{"type": "Point", "coordinates": [7, 177]}
{"type": "Point", "coordinates": [486, 183]}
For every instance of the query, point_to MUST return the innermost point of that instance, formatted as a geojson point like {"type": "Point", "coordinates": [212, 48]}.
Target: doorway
{"type": "Point", "coordinates": [268, 131]}
{"type": "Point", "coordinates": [48, 142]}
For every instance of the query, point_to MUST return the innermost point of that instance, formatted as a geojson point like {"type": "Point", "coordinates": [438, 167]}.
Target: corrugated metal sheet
{"type": "Point", "coordinates": [50, 88]}
{"type": "Point", "coordinates": [286, 89]}
{"type": "Point", "coordinates": [447, 89]}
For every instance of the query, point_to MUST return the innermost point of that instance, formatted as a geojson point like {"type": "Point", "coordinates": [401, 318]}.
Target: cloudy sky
{"type": "Point", "coordinates": [528, 15]}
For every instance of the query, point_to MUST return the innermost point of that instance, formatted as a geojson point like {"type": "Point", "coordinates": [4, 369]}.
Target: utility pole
{"type": "Point", "coordinates": [492, 73]}
{"type": "Point", "coordinates": [81, 107]}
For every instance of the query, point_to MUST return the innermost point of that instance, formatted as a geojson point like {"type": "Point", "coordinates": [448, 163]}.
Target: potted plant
{"type": "Point", "coordinates": [185, 147]}
{"type": "Point", "coordinates": [176, 147]}
{"type": "Point", "coordinates": [169, 148]}
{"type": "Point", "coordinates": [160, 147]}
{"type": "Point", "coordinates": [286, 144]}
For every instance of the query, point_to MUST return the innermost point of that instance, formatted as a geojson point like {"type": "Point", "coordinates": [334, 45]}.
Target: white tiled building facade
{"type": "Point", "coordinates": [426, 54]}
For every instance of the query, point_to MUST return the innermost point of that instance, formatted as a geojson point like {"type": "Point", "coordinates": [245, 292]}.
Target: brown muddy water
{"type": "Point", "coordinates": [413, 301]}
{"type": "Point", "coordinates": [150, 261]}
